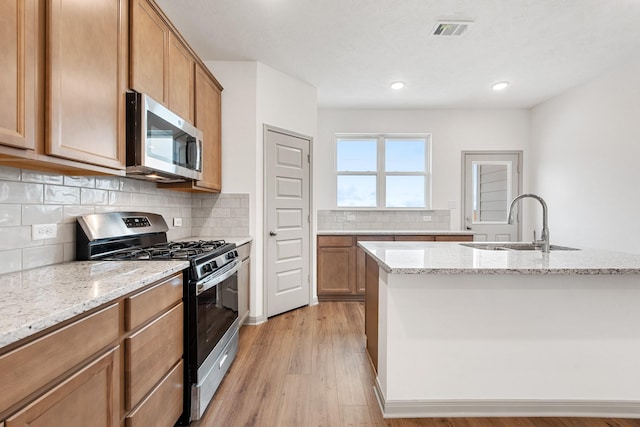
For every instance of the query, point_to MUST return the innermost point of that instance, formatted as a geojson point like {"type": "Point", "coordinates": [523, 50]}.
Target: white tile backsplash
{"type": "Point", "coordinates": [41, 214]}
{"type": "Point", "coordinates": [31, 197]}
{"type": "Point", "coordinates": [381, 220]}
{"type": "Point", "coordinates": [19, 192]}
{"type": "Point", "coordinates": [61, 195]}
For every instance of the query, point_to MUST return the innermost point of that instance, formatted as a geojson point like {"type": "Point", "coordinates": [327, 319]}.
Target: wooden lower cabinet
{"type": "Point", "coordinates": [88, 398]}
{"type": "Point", "coordinates": [163, 406]}
{"type": "Point", "coordinates": [371, 309]}
{"type": "Point", "coordinates": [336, 268]}
{"type": "Point", "coordinates": [121, 363]}
{"type": "Point", "coordinates": [150, 353]}
{"type": "Point", "coordinates": [341, 263]}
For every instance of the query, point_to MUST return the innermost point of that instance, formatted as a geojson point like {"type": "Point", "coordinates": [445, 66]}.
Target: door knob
{"type": "Point", "coordinates": [273, 233]}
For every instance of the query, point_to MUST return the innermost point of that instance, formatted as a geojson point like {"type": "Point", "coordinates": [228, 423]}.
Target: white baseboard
{"type": "Point", "coordinates": [505, 408]}
{"type": "Point", "coordinates": [257, 320]}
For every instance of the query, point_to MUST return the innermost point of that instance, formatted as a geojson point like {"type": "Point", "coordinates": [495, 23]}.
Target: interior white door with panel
{"type": "Point", "coordinates": [287, 199]}
{"type": "Point", "coordinates": [490, 181]}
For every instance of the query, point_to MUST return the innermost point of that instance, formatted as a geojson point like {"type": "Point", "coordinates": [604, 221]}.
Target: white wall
{"type": "Point", "coordinates": [255, 94]}
{"type": "Point", "coordinates": [585, 150]}
{"type": "Point", "coordinates": [452, 131]}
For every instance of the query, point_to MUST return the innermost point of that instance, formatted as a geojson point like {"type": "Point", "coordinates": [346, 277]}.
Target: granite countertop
{"type": "Point", "coordinates": [34, 300]}
{"type": "Point", "coordinates": [454, 258]}
{"type": "Point", "coordinates": [395, 232]}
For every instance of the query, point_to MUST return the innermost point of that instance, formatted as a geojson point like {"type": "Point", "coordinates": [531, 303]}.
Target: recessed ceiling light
{"type": "Point", "coordinates": [397, 85]}
{"type": "Point", "coordinates": [500, 86]}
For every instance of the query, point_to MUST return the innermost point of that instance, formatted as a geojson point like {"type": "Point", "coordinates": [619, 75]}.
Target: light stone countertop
{"type": "Point", "coordinates": [34, 300]}
{"type": "Point", "coordinates": [454, 258]}
{"type": "Point", "coordinates": [394, 232]}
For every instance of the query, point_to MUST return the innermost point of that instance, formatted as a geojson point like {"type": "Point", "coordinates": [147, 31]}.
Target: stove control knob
{"type": "Point", "coordinates": [206, 268]}
{"type": "Point", "coordinates": [232, 255]}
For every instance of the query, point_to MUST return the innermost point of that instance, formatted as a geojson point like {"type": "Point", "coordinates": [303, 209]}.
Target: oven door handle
{"type": "Point", "coordinates": [210, 282]}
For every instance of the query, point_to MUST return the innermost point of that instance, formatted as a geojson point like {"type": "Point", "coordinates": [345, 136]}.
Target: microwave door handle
{"type": "Point", "coordinates": [198, 154]}
{"type": "Point", "coordinates": [210, 282]}
{"type": "Point", "coordinates": [196, 161]}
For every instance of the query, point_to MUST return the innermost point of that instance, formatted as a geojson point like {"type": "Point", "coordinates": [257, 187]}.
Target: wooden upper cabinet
{"type": "Point", "coordinates": [18, 56]}
{"type": "Point", "coordinates": [86, 80]}
{"type": "Point", "coordinates": [161, 65]}
{"type": "Point", "coordinates": [181, 74]}
{"type": "Point", "coordinates": [208, 109]}
{"type": "Point", "coordinates": [208, 120]}
{"type": "Point", "coordinates": [149, 60]}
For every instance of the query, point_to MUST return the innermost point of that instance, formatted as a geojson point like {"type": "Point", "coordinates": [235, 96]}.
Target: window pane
{"type": "Point", "coordinates": [357, 155]}
{"type": "Point", "coordinates": [357, 190]}
{"type": "Point", "coordinates": [491, 182]}
{"type": "Point", "coordinates": [405, 192]}
{"type": "Point", "coordinates": [405, 155]}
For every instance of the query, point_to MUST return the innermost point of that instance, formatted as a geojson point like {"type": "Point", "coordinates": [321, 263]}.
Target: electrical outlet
{"type": "Point", "coordinates": [426, 218]}
{"type": "Point", "coordinates": [44, 231]}
{"type": "Point", "coordinates": [351, 217]}
{"type": "Point", "coordinates": [177, 222]}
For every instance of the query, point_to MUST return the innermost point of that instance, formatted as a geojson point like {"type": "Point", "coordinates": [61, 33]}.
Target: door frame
{"type": "Point", "coordinates": [463, 177]}
{"type": "Point", "coordinates": [266, 128]}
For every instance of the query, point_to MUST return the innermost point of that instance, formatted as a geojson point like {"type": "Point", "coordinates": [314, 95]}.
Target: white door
{"type": "Point", "coordinates": [287, 198]}
{"type": "Point", "coordinates": [490, 181]}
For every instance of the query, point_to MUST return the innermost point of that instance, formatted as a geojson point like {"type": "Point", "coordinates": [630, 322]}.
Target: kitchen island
{"type": "Point", "coordinates": [458, 331]}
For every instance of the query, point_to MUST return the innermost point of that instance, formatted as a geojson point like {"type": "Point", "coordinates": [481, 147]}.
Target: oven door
{"type": "Point", "coordinates": [216, 310]}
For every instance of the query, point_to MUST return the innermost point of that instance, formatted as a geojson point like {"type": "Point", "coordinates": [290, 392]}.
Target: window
{"type": "Point", "coordinates": [383, 171]}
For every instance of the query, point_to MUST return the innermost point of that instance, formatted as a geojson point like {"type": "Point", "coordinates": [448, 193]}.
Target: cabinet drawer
{"type": "Point", "coordinates": [324, 241]}
{"type": "Point", "coordinates": [415, 238]}
{"type": "Point", "coordinates": [150, 352]}
{"type": "Point", "coordinates": [372, 238]}
{"type": "Point", "coordinates": [454, 238]}
{"type": "Point", "coordinates": [142, 307]}
{"type": "Point", "coordinates": [88, 398]}
{"type": "Point", "coordinates": [163, 406]}
{"type": "Point", "coordinates": [33, 365]}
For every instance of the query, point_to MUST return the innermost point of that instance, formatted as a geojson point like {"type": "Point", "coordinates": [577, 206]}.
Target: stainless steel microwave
{"type": "Point", "coordinates": [161, 146]}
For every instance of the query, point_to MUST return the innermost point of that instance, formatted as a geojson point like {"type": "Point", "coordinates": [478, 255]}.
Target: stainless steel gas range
{"type": "Point", "coordinates": [210, 293]}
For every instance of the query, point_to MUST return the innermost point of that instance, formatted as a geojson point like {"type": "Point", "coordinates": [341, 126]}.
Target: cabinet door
{"type": "Point", "coordinates": [181, 73]}
{"type": "Point", "coordinates": [18, 54]}
{"type": "Point", "coordinates": [88, 398]}
{"type": "Point", "coordinates": [360, 261]}
{"type": "Point", "coordinates": [149, 52]}
{"type": "Point", "coordinates": [208, 120]}
{"type": "Point", "coordinates": [336, 270]}
{"type": "Point", "coordinates": [86, 73]}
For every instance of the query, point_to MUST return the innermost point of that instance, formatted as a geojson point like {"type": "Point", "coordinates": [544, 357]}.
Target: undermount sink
{"type": "Point", "coordinates": [514, 246]}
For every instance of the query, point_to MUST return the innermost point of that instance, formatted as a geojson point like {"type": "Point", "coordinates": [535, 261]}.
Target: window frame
{"type": "Point", "coordinates": [381, 174]}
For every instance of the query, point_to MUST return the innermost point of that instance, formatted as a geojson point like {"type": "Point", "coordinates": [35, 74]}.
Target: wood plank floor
{"type": "Point", "coordinates": [309, 368]}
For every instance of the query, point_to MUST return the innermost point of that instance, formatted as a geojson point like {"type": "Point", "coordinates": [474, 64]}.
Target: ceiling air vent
{"type": "Point", "coordinates": [451, 28]}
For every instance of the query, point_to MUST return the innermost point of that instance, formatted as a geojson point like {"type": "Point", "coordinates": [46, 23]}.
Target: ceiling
{"type": "Point", "coordinates": [352, 50]}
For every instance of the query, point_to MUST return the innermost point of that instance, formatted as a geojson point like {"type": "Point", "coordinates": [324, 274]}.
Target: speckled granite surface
{"type": "Point", "coordinates": [34, 300]}
{"type": "Point", "coordinates": [453, 258]}
{"type": "Point", "coordinates": [394, 232]}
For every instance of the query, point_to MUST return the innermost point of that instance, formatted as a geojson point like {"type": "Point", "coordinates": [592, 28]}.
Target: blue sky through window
{"type": "Point", "coordinates": [403, 180]}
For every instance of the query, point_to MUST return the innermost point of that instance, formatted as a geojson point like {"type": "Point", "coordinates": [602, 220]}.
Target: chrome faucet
{"type": "Point", "coordinates": [544, 238]}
